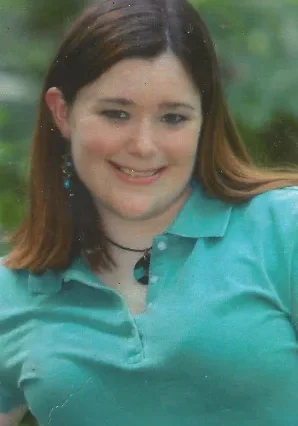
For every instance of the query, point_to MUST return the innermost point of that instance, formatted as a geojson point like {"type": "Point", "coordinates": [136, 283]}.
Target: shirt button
{"type": "Point", "coordinates": [153, 279]}
{"type": "Point", "coordinates": [161, 246]}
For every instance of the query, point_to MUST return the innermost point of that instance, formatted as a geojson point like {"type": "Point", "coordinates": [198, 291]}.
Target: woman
{"type": "Point", "coordinates": [154, 279]}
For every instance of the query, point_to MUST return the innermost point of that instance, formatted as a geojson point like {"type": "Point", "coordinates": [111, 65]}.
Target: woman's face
{"type": "Point", "coordinates": [134, 134]}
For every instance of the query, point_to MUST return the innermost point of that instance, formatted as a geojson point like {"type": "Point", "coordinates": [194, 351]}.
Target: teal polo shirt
{"type": "Point", "coordinates": [216, 346]}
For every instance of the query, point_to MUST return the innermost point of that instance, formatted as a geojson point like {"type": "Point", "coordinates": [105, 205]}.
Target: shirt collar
{"type": "Point", "coordinates": [201, 216]}
{"type": "Point", "coordinates": [51, 281]}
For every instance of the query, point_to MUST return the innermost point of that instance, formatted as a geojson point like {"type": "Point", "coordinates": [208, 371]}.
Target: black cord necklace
{"type": "Point", "coordinates": [141, 268]}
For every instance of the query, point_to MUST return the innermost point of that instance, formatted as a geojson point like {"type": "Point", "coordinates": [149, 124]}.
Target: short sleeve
{"type": "Point", "coordinates": [10, 398]}
{"type": "Point", "coordinates": [283, 220]}
{"type": "Point", "coordinates": [11, 338]}
{"type": "Point", "coordinates": [294, 279]}
{"type": "Point", "coordinates": [289, 218]}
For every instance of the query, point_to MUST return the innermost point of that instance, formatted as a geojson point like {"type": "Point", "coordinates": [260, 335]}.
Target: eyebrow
{"type": "Point", "coordinates": [128, 102]}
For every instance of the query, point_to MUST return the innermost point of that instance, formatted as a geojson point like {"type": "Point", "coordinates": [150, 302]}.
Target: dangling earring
{"type": "Point", "coordinates": [67, 170]}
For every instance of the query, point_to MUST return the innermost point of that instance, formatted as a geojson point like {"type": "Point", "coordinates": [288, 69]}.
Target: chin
{"type": "Point", "coordinates": [138, 209]}
{"type": "Point", "coordinates": [134, 214]}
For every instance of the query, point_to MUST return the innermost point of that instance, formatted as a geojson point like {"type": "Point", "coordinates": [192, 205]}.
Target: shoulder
{"type": "Point", "coordinates": [278, 198]}
{"type": "Point", "coordinates": [13, 286]}
{"type": "Point", "coordinates": [278, 207]}
{"type": "Point", "coordinates": [21, 286]}
{"type": "Point", "coordinates": [268, 220]}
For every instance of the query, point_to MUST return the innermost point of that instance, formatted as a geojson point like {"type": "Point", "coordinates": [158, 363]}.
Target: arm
{"type": "Point", "coordinates": [13, 404]}
{"type": "Point", "coordinates": [294, 282]}
{"type": "Point", "coordinates": [13, 417]}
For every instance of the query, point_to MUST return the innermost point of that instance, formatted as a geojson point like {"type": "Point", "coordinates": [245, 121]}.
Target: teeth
{"type": "Point", "coordinates": [133, 173]}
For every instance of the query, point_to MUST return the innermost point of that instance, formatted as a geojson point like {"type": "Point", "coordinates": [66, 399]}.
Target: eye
{"type": "Point", "coordinates": [174, 119]}
{"type": "Point", "coordinates": [115, 114]}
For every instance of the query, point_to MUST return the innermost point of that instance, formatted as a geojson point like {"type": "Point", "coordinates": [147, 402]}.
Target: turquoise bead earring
{"type": "Point", "coordinates": [67, 170]}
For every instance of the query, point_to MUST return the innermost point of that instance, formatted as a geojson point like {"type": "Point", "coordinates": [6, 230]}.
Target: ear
{"type": "Point", "coordinates": [59, 109]}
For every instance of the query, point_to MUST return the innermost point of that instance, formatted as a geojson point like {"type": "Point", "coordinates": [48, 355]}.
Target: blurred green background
{"type": "Point", "coordinates": [257, 46]}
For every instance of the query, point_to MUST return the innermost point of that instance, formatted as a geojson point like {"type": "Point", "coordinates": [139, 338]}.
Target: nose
{"type": "Point", "coordinates": [142, 142]}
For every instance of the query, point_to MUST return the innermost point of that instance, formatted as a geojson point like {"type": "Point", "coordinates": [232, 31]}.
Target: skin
{"type": "Point", "coordinates": [143, 134]}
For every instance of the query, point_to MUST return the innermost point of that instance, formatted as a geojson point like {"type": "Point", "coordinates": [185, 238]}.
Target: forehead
{"type": "Point", "coordinates": [160, 77]}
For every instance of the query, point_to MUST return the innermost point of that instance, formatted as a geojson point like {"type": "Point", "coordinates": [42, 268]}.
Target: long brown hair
{"type": "Point", "coordinates": [57, 227]}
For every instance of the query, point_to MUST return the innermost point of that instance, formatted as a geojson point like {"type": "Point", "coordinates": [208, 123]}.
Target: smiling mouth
{"type": "Point", "coordinates": [137, 173]}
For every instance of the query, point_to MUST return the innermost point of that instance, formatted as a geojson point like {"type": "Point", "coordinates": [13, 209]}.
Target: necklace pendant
{"type": "Point", "coordinates": [141, 269]}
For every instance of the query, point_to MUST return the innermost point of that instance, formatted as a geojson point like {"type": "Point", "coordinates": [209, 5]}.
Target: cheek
{"type": "Point", "coordinates": [182, 147]}
{"type": "Point", "coordinates": [95, 139]}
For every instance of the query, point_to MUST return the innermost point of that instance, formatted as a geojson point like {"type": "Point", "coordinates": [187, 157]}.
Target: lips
{"type": "Point", "coordinates": [132, 171]}
{"type": "Point", "coordinates": [137, 177]}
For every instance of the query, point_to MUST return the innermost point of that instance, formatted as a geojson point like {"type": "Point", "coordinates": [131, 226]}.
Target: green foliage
{"type": "Point", "coordinates": [256, 44]}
